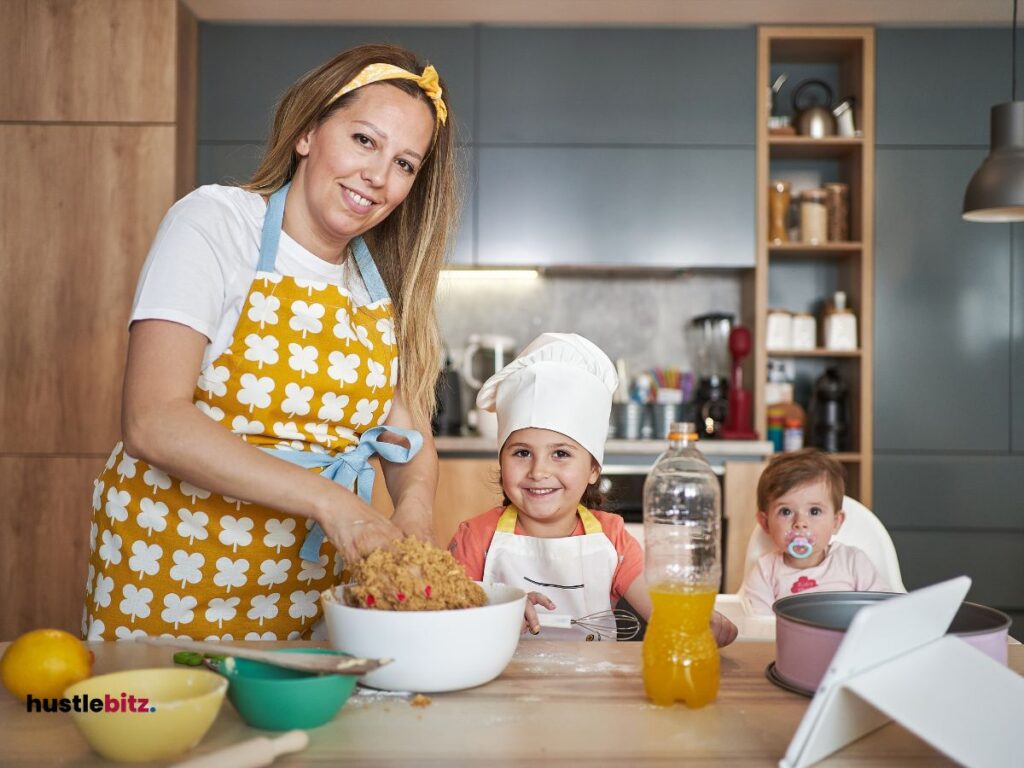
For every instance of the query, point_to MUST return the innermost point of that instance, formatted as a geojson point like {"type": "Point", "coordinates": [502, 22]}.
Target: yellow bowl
{"type": "Point", "coordinates": [180, 705]}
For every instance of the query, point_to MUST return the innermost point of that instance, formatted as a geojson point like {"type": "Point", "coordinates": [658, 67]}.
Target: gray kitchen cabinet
{"type": "Point", "coordinates": [942, 292]}
{"type": "Point", "coordinates": [614, 207]}
{"type": "Point", "coordinates": [992, 560]}
{"type": "Point", "coordinates": [617, 86]}
{"type": "Point", "coordinates": [246, 68]}
{"type": "Point", "coordinates": [950, 492]}
{"type": "Point", "coordinates": [227, 162]}
{"type": "Point", "coordinates": [936, 86]}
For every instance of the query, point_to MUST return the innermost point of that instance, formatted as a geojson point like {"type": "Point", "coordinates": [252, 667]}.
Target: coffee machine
{"type": "Point", "coordinates": [829, 413]}
{"type": "Point", "coordinates": [708, 340]}
{"type": "Point", "coordinates": [447, 418]}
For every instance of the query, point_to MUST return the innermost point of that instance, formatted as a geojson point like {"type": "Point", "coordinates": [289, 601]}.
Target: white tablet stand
{"type": "Point", "coordinates": [897, 663]}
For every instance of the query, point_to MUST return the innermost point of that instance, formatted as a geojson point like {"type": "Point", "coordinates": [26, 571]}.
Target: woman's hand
{"type": "Point", "coordinates": [415, 521]}
{"type": "Point", "coordinates": [723, 629]}
{"type": "Point", "coordinates": [412, 485]}
{"type": "Point", "coordinates": [530, 620]}
{"type": "Point", "coordinates": [356, 529]}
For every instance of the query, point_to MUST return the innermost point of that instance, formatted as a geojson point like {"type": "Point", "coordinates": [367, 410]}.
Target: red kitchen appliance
{"type": "Point", "coordinates": [738, 423]}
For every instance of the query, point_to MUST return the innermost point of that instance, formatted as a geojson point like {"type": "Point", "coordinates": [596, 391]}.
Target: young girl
{"type": "Point", "coordinates": [553, 404]}
{"type": "Point", "coordinates": [800, 499]}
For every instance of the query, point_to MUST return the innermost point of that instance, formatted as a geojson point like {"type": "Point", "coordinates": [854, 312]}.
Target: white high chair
{"type": "Point", "coordinates": [860, 529]}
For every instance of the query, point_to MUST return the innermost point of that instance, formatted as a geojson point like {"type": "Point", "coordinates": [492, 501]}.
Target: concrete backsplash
{"type": "Point", "coordinates": [640, 319]}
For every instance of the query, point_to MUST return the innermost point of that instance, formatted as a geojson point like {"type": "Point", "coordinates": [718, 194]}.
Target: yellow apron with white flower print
{"type": "Point", "coordinates": [307, 373]}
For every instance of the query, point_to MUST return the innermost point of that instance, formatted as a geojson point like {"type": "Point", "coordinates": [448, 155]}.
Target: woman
{"type": "Point", "coordinates": [263, 369]}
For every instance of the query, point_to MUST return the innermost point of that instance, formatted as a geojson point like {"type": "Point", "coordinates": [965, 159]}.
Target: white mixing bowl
{"type": "Point", "coordinates": [433, 651]}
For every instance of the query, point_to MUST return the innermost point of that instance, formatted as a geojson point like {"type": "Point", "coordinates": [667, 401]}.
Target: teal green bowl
{"type": "Point", "coordinates": [276, 699]}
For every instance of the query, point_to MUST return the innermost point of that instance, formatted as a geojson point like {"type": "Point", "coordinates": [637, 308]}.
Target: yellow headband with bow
{"type": "Point", "coordinates": [374, 73]}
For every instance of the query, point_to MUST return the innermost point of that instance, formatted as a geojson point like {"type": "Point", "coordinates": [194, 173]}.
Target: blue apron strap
{"type": "Point", "coordinates": [351, 470]}
{"type": "Point", "coordinates": [368, 271]}
{"type": "Point", "coordinates": [271, 234]}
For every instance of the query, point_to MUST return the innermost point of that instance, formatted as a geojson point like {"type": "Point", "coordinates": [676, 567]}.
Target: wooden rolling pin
{"type": "Point", "coordinates": [250, 754]}
{"type": "Point", "coordinates": [303, 662]}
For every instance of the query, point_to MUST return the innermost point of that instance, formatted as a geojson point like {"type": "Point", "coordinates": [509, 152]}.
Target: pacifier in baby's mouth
{"type": "Point", "coordinates": [800, 545]}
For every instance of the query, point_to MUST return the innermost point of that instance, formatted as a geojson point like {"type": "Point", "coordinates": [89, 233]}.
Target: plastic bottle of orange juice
{"type": "Point", "coordinates": [682, 525]}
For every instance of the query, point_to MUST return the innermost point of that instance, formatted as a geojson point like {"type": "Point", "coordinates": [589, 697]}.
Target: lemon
{"type": "Point", "coordinates": [44, 662]}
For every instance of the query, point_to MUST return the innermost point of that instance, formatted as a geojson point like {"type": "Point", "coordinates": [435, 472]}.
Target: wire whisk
{"type": "Point", "coordinates": [618, 623]}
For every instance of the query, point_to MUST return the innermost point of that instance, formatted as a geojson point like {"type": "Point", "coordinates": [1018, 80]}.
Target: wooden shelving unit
{"type": "Point", "coordinates": [848, 54]}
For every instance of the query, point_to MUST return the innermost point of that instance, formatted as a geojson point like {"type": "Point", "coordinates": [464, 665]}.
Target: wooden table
{"type": "Point", "coordinates": [556, 704]}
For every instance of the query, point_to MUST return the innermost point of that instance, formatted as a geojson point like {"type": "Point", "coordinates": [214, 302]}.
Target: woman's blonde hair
{"type": "Point", "coordinates": [409, 247]}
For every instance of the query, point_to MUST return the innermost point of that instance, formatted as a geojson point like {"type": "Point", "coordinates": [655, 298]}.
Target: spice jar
{"type": "Point", "coordinates": [837, 203]}
{"type": "Point", "coordinates": [813, 217]}
{"type": "Point", "coordinates": [840, 324]}
{"type": "Point", "coordinates": [779, 198]}
{"type": "Point", "coordinates": [805, 331]}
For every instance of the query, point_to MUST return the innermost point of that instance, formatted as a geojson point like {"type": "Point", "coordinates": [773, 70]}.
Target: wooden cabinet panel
{"type": "Point", "coordinates": [45, 513]}
{"type": "Point", "coordinates": [1017, 334]}
{"type": "Point", "coordinates": [740, 515]}
{"type": "Point", "coordinates": [88, 60]}
{"type": "Point", "coordinates": [79, 206]}
{"type": "Point", "coordinates": [802, 276]}
{"type": "Point", "coordinates": [465, 488]}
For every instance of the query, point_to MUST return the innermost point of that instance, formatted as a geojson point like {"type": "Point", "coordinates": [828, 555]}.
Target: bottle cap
{"type": "Point", "coordinates": [680, 429]}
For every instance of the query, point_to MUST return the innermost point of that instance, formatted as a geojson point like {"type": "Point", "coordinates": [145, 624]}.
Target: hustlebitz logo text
{"type": "Point", "coordinates": [126, 702]}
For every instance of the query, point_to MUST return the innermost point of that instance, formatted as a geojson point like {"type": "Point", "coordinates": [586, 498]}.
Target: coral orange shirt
{"type": "Point", "coordinates": [471, 541]}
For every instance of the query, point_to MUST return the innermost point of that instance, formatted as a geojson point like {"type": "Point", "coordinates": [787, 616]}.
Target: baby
{"type": "Point", "coordinates": [553, 404]}
{"type": "Point", "coordinates": [799, 499]}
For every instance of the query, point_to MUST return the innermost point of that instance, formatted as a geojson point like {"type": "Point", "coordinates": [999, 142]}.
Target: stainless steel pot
{"type": "Point", "coordinates": [812, 117]}
{"type": "Point", "coordinates": [809, 628]}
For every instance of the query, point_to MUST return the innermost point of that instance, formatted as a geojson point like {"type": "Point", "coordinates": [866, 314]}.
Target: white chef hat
{"type": "Point", "coordinates": [561, 382]}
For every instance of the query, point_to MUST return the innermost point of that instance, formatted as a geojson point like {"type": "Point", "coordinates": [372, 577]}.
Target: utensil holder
{"type": "Point", "coordinates": [629, 420]}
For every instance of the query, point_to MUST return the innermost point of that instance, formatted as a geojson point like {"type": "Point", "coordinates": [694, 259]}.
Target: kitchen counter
{"type": "Point", "coordinates": [714, 450]}
{"type": "Point", "coordinates": [555, 704]}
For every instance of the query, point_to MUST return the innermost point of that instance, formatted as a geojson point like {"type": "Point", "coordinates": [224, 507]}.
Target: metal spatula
{"type": "Point", "coordinates": [303, 662]}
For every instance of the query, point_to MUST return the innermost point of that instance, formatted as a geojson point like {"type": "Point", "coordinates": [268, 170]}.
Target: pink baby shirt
{"type": "Point", "coordinates": [844, 568]}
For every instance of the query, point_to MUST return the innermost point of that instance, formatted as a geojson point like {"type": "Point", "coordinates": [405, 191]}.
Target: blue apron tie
{"type": "Point", "coordinates": [351, 469]}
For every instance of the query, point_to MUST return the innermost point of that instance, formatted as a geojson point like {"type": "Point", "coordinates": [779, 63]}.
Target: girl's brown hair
{"type": "Point", "coordinates": [790, 470]}
{"type": "Point", "coordinates": [409, 247]}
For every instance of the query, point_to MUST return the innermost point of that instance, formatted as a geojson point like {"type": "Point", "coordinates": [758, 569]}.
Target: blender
{"type": "Point", "coordinates": [708, 340]}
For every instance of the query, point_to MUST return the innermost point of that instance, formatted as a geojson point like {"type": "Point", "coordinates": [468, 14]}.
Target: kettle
{"type": "Point", "coordinates": [484, 356]}
{"type": "Point", "coordinates": [812, 118]}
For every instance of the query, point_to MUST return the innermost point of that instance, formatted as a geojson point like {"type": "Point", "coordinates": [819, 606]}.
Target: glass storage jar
{"type": "Point", "coordinates": [838, 205]}
{"type": "Point", "coordinates": [813, 217]}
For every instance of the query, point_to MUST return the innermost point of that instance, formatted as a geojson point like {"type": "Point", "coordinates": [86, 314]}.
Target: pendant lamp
{"type": "Point", "coordinates": [996, 191]}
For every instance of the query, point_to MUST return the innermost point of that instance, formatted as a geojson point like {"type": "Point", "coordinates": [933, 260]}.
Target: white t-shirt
{"type": "Point", "coordinates": [203, 259]}
{"type": "Point", "coordinates": [844, 569]}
